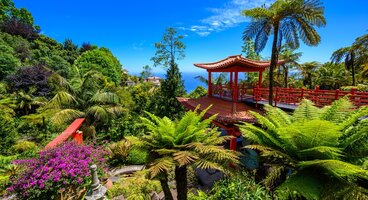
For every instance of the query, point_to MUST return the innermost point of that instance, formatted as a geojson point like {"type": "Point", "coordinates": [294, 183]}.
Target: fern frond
{"type": "Point", "coordinates": [161, 165]}
{"type": "Point", "coordinates": [337, 168]}
{"type": "Point", "coordinates": [320, 152]}
{"type": "Point", "coordinates": [338, 111]}
{"type": "Point", "coordinates": [305, 111]}
{"type": "Point", "coordinates": [300, 184]}
{"type": "Point", "coordinates": [184, 158]}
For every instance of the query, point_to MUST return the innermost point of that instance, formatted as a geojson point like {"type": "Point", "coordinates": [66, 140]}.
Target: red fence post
{"type": "Point", "coordinates": [316, 95]}
{"type": "Point", "coordinates": [337, 94]}
{"type": "Point", "coordinates": [352, 96]}
{"type": "Point", "coordinates": [302, 94]}
{"type": "Point", "coordinates": [290, 95]}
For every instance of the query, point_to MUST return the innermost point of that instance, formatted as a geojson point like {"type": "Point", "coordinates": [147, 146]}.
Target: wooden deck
{"type": "Point", "coordinates": [228, 112]}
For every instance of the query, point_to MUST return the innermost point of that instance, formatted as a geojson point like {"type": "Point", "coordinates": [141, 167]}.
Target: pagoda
{"type": "Point", "coordinates": [228, 100]}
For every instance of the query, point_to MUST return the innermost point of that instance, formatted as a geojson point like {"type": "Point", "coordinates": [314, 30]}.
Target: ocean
{"type": "Point", "coordinates": [190, 82]}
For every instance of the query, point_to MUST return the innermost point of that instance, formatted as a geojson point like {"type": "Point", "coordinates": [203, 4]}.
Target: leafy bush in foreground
{"type": "Point", "coordinates": [321, 150]}
{"type": "Point", "coordinates": [234, 188]}
{"type": "Point", "coordinates": [60, 171]}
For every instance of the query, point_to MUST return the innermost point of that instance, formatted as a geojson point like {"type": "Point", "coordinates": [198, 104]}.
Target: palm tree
{"type": "Point", "coordinates": [354, 56]}
{"type": "Point", "coordinates": [286, 20]}
{"type": "Point", "coordinates": [332, 76]}
{"type": "Point", "coordinates": [322, 150]}
{"type": "Point", "coordinates": [180, 144]}
{"type": "Point", "coordinates": [85, 97]}
{"type": "Point", "coordinates": [308, 70]}
{"type": "Point", "coordinates": [291, 59]}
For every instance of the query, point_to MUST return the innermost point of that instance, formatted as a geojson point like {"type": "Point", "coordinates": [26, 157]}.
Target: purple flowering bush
{"type": "Point", "coordinates": [63, 169]}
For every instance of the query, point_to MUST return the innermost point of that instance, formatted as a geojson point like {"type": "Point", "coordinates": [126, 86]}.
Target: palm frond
{"type": "Point", "coordinates": [98, 113]}
{"type": "Point", "coordinates": [105, 98]}
{"type": "Point", "coordinates": [66, 115]}
{"type": "Point", "coordinates": [60, 99]}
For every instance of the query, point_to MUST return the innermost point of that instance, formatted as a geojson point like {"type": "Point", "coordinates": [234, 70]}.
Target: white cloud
{"type": "Point", "coordinates": [138, 45]}
{"type": "Point", "coordinates": [226, 17]}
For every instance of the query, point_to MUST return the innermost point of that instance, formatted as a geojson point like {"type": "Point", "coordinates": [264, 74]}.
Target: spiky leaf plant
{"type": "Point", "coordinates": [316, 147]}
{"type": "Point", "coordinates": [179, 144]}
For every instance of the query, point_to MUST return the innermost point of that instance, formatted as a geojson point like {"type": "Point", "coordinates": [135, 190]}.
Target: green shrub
{"type": "Point", "coordinates": [239, 188]}
{"type": "Point", "coordinates": [134, 188]}
{"type": "Point", "coordinates": [22, 146]}
{"type": "Point", "coordinates": [136, 156]}
{"type": "Point", "coordinates": [359, 87]}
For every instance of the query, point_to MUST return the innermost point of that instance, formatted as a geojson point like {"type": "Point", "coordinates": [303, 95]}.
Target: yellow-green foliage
{"type": "Point", "coordinates": [135, 188]}
{"type": "Point", "coordinates": [23, 146]}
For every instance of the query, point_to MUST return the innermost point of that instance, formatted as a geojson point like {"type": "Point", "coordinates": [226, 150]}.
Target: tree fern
{"type": "Point", "coordinates": [182, 143]}
{"type": "Point", "coordinates": [317, 145]}
{"type": "Point", "coordinates": [306, 111]}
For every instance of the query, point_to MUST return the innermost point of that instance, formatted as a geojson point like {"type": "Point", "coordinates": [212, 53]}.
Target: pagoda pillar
{"type": "Point", "coordinates": [235, 88]}
{"type": "Point", "coordinates": [260, 78]}
{"type": "Point", "coordinates": [209, 84]}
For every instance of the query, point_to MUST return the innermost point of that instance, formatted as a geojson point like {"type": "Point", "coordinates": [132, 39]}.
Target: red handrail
{"type": "Point", "coordinates": [71, 131]}
{"type": "Point", "coordinates": [318, 96]}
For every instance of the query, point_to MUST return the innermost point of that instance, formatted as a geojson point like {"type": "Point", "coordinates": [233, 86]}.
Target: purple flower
{"type": "Point", "coordinates": [56, 169]}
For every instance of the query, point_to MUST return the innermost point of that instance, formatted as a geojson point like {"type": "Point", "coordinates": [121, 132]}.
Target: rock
{"type": "Point", "coordinates": [154, 196]}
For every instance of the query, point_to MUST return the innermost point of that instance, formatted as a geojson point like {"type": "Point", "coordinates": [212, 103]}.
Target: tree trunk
{"type": "Point", "coordinates": [353, 74]}
{"type": "Point", "coordinates": [274, 59]}
{"type": "Point", "coordinates": [286, 74]}
{"type": "Point", "coordinates": [181, 182]}
{"type": "Point", "coordinates": [165, 187]}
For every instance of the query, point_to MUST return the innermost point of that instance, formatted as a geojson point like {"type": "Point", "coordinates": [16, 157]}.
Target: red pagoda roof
{"type": "Point", "coordinates": [237, 60]}
{"type": "Point", "coordinates": [223, 108]}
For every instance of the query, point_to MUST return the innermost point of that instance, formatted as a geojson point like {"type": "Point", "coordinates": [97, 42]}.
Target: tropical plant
{"type": "Point", "coordinates": [354, 56]}
{"type": "Point", "coordinates": [332, 76]}
{"type": "Point", "coordinates": [87, 97]}
{"type": "Point", "coordinates": [308, 72]}
{"type": "Point", "coordinates": [286, 20]}
{"type": "Point", "coordinates": [242, 188]}
{"type": "Point", "coordinates": [321, 150]}
{"type": "Point", "coordinates": [291, 59]}
{"type": "Point", "coordinates": [183, 143]}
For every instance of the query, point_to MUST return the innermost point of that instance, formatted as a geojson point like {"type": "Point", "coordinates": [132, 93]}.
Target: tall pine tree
{"type": "Point", "coordinates": [168, 51]}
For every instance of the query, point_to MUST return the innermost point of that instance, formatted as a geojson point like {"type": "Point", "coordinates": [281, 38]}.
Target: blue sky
{"type": "Point", "coordinates": [212, 28]}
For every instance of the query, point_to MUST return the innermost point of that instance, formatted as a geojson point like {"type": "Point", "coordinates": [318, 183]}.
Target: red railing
{"type": "Point", "coordinates": [226, 91]}
{"type": "Point", "coordinates": [70, 132]}
{"type": "Point", "coordinates": [319, 97]}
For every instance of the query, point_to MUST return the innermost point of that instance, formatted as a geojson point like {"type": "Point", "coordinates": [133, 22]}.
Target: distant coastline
{"type": "Point", "coordinates": [190, 82]}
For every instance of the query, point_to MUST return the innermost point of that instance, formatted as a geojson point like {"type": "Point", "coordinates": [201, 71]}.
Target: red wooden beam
{"type": "Point", "coordinates": [71, 131]}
